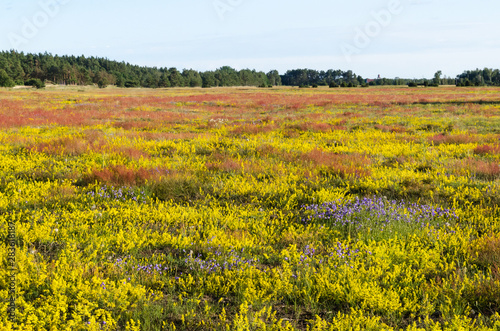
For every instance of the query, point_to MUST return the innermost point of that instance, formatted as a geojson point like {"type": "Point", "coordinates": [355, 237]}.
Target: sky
{"type": "Point", "coordinates": [391, 38]}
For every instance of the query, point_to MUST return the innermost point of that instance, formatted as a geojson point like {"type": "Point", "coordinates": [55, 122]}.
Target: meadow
{"type": "Point", "coordinates": [251, 209]}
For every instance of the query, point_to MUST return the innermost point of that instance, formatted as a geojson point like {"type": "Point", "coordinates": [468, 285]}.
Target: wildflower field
{"type": "Point", "coordinates": [251, 209]}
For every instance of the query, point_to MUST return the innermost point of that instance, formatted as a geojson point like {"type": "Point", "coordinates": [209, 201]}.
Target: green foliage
{"type": "Point", "coordinates": [274, 78]}
{"type": "Point", "coordinates": [120, 79]}
{"type": "Point", "coordinates": [80, 70]}
{"type": "Point", "coordinates": [164, 80]}
{"type": "Point", "coordinates": [300, 77]}
{"type": "Point", "coordinates": [192, 78]}
{"type": "Point", "coordinates": [208, 79]}
{"type": "Point", "coordinates": [132, 83]}
{"type": "Point", "coordinates": [437, 79]}
{"type": "Point", "coordinates": [478, 77]}
{"type": "Point", "coordinates": [102, 83]}
{"type": "Point", "coordinates": [5, 80]}
{"type": "Point", "coordinates": [35, 82]}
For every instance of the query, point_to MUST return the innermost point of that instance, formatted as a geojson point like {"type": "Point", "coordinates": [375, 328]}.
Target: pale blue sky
{"type": "Point", "coordinates": [410, 38]}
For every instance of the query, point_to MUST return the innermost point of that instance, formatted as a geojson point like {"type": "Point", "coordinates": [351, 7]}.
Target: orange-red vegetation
{"type": "Point", "coordinates": [220, 162]}
{"type": "Point", "coordinates": [342, 165]}
{"type": "Point", "coordinates": [71, 146]}
{"type": "Point", "coordinates": [453, 139]}
{"type": "Point", "coordinates": [121, 175]}
{"type": "Point", "coordinates": [487, 150]}
{"type": "Point", "coordinates": [485, 170]}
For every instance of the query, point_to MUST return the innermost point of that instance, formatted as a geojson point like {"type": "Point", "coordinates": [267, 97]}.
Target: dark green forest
{"type": "Point", "coordinates": [17, 68]}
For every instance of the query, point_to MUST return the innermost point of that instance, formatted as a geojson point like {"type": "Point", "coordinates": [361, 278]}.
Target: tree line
{"type": "Point", "coordinates": [478, 77]}
{"type": "Point", "coordinates": [17, 68]}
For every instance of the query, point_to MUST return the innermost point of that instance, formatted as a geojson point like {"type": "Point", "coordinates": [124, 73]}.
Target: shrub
{"type": "Point", "coordinates": [102, 83]}
{"type": "Point", "coordinates": [412, 84]}
{"type": "Point", "coordinates": [333, 85]}
{"type": "Point", "coordinates": [35, 82]}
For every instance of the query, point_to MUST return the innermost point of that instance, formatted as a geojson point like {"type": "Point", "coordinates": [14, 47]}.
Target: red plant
{"type": "Point", "coordinates": [226, 165]}
{"type": "Point", "coordinates": [452, 139]}
{"type": "Point", "coordinates": [266, 149]}
{"type": "Point", "coordinates": [61, 146]}
{"type": "Point", "coordinates": [342, 165]}
{"type": "Point", "coordinates": [487, 150]}
{"type": "Point", "coordinates": [121, 175]}
{"type": "Point", "coordinates": [486, 170]}
{"type": "Point", "coordinates": [131, 153]}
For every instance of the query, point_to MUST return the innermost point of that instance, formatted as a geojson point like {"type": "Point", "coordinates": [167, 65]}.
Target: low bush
{"type": "Point", "coordinates": [35, 82]}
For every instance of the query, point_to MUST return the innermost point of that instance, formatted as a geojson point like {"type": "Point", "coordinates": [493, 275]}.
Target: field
{"type": "Point", "coordinates": [251, 209]}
